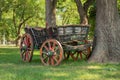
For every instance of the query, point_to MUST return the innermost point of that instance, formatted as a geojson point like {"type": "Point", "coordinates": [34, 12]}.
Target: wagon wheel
{"type": "Point", "coordinates": [85, 53]}
{"type": "Point", "coordinates": [51, 52]}
{"type": "Point", "coordinates": [26, 47]}
{"type": "Point", "coordinates": [66, 55]}
{"type": "Point", "coordinates": [74, 55]}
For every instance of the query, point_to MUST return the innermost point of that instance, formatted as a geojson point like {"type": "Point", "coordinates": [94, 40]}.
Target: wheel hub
{"type": "Point", "coordinates": [24, 47]}
{"type": "Point", "coordinates": [50, 53]}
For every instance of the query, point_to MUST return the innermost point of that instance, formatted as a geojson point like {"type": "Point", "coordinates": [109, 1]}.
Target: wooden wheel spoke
{"type": "Point", "coordinates": [53, 46]}
{"type": "Point", "coordinates": [56, 49]}
{"type": "Point", "coordinates": [85, 53]}
{"type": "Point", "coordinates": [49, 45]}
{"type": "Point", "coordinates": [24, 56]}
{"type": "Point", "coordinates": [58, 53]}
{"type": "Point", "coordinates": [22, 51]}
{"type": "Point", "coordinates": [29, 49]}
{"type": "Point", "coordinates": [27, 55]}
{"type": "Point", "coordinates": [44, 52]}
{"type": "Point", "coordinates": [49, 61]}
{"type": "Point", "coordinates": [26, 41]}
{"type": "Point", "coordinates": [80, 55]}
{"type": "Point", "coordinates": [52, 61]}
{"type": "Point", "coordinates": [45, 58]}
{"type": "Point", "coordinates": [56, 60]}
{"type": "Point", "coordinates": [66, 55]}
{"type": "Point", "coordinates": [46, 48]}
{"type": "Point", "coordinates": [74, 56]}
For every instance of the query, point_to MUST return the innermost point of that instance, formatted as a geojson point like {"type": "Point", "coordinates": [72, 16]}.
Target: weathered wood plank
{"type": "Point", "coordinates": [77, 47]}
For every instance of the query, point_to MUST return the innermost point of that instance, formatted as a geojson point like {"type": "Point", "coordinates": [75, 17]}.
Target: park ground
{"type": "Point", "coordinates": [13, 68]}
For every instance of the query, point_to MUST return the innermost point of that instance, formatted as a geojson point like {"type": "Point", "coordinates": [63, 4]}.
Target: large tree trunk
{"type": "Point", "coordinates": [107, 37]}
{"type": "Point", "coordinates": [50, 13]}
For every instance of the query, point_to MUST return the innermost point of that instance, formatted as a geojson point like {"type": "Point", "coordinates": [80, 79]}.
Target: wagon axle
{"type": "Point", "coordinates": [50, 53]}
{"type": "Point", "coordinates": [24, 47]}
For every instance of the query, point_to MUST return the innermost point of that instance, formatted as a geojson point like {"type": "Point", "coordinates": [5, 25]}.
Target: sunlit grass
{"type": "Point", "coordinates": [12, 68]}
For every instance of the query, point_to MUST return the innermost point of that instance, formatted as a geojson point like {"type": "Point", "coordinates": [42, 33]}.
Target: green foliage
{"type": "Point", "coordinates": [21, 10]}
{"type": "Point", "coordinates": [12, 68]}
{"type": "Point", "coordinates": [67, 12]}
{"type": "Point", "coordinates": [91, 18]}
{"type": "Point", "coordinates": [31, 8]}
{"type": "Point", "coordinates": [118, 5]}
{"type": "Point", "coordinates": [39, 14]}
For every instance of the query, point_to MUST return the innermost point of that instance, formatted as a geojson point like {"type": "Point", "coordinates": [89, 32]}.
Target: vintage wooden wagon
{"type": "Point", "coordinates": [55, 43]}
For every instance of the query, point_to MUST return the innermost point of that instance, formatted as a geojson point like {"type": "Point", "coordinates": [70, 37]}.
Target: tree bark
{"type": "Point", "coordinates": [107, 48]}
{"type": "Point", "coordinates": [0, 14]}
{"type": "Point", "coordinates": [82, 10]}
{"type": "Point", "coordinates": [51, 13]}
{"type": "Point", "coordinates": [82, 13]}
{"type": "Point", "coordinates": [87, 5]}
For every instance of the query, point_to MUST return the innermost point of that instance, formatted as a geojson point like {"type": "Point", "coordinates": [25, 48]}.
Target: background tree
{"type": "Point", "coordinates": [83, 10]}
{"type": "Point", "coordinates": [21, 10]}
{"type": "Point", "coordinates": [51, 13]}
{"type": "Point", "coordinates": [15, 14]}
{"type": "Point", "coordinates": [66, 12]}
{"type": "Point", "coordinates": [4, 8]}
{"type": "Point", "coordinates": [107, 32]}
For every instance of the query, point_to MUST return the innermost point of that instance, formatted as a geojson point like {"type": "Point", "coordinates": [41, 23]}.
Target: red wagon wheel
{"type": "Point", "coordinates": [66, 55]}
{"type": "Point", "coordinates": [85, 53]}
{"type": "Point", "coordinates": [51, 52]}
{"type": "Point", "coordinates": [26, 47]}
{"type": "Point", "coordinates": [74, 55]}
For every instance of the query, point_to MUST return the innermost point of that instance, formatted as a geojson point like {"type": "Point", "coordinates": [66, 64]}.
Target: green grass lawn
{"type": "Point", "coordinates": [12, 68]}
